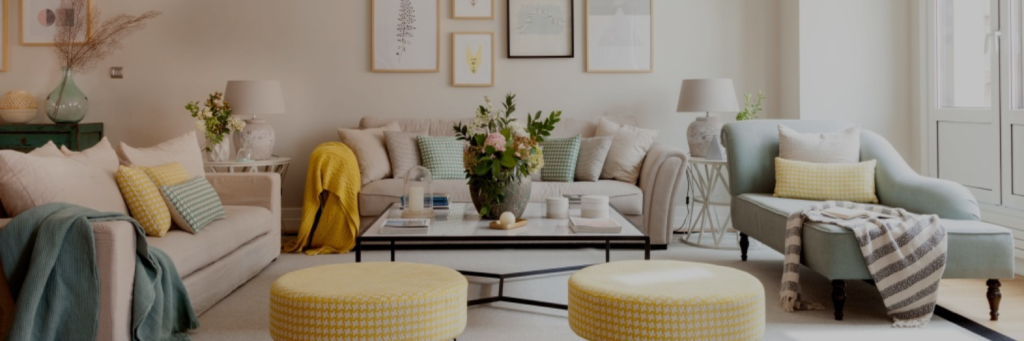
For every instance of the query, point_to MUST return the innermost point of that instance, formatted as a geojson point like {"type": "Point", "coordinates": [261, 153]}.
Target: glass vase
{"type": "Point", "coordinates": [220, 152]}
{"type": "Point", "coordinates": [67, 103]}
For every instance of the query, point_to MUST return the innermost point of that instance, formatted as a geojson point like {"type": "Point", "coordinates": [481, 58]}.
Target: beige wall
{"type": "Point", "coordinates": [318, 49]}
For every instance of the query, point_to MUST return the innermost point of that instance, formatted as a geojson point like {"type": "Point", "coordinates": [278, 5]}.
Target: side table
{"type": "Point", "coordinates": [274, 164]}
{"type": "Point", "coordinates": [705, 175]}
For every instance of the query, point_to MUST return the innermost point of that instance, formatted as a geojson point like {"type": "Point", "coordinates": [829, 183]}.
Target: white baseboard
{"type": "Point", "coordinates": [291, 218]}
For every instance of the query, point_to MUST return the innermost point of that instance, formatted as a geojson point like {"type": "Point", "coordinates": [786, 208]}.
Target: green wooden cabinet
{"type": "Point", "coordinates": [25, 137]}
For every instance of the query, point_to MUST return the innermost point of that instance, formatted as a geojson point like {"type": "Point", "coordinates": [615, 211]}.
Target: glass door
{"type": "Point", "coordinates": [1013, 104]}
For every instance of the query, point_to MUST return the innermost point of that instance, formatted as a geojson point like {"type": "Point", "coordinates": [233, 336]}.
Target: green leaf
{"type": "Point", "coordinates": [508, 160]}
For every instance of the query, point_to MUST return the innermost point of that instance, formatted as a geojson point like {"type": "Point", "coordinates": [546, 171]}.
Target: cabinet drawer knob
{"type": "Point", "coordinates": [24, 142]}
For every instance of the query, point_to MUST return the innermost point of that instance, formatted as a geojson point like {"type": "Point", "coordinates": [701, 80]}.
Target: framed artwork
{"type": "Point", "coordinates": [40, 20]}
{"type": "Point", "coordinates": [473, 9]}
{"type": "Point", "coordinates": [405, 35]}
{"type": "Point", "coordinates": [473, 59]}
{"type": "Point", "coordinates": [540, 29]}
{"type": "Point", "coordinates": [620, 35]}
{"type": "Point", "coordinates": [3, 39]}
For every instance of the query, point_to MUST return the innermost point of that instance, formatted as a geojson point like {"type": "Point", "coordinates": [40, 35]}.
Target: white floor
{"type": "Point", "coordinates": [244, 314]}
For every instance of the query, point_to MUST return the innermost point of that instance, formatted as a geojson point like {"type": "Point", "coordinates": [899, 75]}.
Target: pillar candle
{"type": "Point", "coordinates": [416, 199]}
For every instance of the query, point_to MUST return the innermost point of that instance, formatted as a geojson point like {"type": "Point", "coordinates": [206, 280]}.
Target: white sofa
{"type": "Point", "coordinates": [649, 204]}
{"type": "Point", "coordinates": [212, 264]}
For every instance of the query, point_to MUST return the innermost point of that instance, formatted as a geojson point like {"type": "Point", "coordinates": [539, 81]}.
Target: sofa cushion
{"type": "Point", "coordinates": [593, 152]}
{"type": "Point", "coordinates": [29, 180]}
{"type": "Point", "coordinates": [144, 201]}
{"type": "Point", "coordinates": [629, 147]}
{"type": "Point", "coordinates": [442, 155]}
{"type": "Point", "coordinates": [370, 149]}
{"type": "Point", "coordinates": [825, 181]}
{"type": "Point", "coordinates": [194, 204]}
{"type": "Point", "coordinates": [191, 252]}
{"type": "Point", "coordinates": [182, 149]}
{"type": "Point", "coordinates": [628, 199]}
{"type": "Point", "coordinates": [403, 151]}
{"type": "Point", "coordinates": [976, 249]}
{"type": "Point", "coordinates": [838, 147]}
{"type": "Point", "coordinates": [560, 159]}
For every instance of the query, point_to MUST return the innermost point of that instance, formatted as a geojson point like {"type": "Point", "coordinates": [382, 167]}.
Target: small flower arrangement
{"type": "Point", "coordinates": [502, 150]}
{"type": "Point", "coordinates": [215, 119]}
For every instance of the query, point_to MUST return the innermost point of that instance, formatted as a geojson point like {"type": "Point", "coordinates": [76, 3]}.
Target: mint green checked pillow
{"type": "Point", "coordinates": [194, 204]}
{"type": "Point", "coordinates": [442, 155]}
{"type": "Point", "coordinates": [560, 159]}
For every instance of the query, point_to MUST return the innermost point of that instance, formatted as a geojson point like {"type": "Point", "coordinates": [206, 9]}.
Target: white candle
{"type": "Point", "coordinates": [415, 199]}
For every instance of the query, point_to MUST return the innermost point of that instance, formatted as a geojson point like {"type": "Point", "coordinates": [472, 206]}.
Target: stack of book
{"type": "Point", "coordinates": [584, 225]}
{"type": "Point", "coordinates": [440, 201]}
{"type": "Point", "coordinates": [405, 226]}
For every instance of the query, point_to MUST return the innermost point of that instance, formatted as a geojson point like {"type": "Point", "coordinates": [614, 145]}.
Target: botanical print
{"type": "Point", "coordinates": [619, 35]}
{"type": "Point", "coordinates": [405, 35]}
{"type": "Point", "coordinates": [42, 19]}
{"type": "Point", "coordinates": [540, 28]}
{"type": "Point", "coordinates": [472, 9]}
{"type": "Point", "coordinates": [473, 59]}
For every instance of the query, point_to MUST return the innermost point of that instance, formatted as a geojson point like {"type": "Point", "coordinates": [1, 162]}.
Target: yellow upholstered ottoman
{"type": "Point", "coordinates": [369, 301]}
{"type": "Point", "coordinates": [665, 300]}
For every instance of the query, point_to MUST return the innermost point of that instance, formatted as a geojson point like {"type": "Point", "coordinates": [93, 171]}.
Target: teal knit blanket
{"type": "Point", "coordinates": [49, 259]}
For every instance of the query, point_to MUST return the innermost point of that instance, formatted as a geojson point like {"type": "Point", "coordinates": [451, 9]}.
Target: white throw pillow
{"type": "Point", "coordinates": [38, 178]}
{"type": "Point", "coordinates": [371, 150]}
{"type": "Point", "coordinates": [101, 155]}
{"type": "Point", "coordinates": [837, 147]}
{"type": "Point", "coordinates": [593, 153]}
{"type": "Point", "coordinates": [629, 147]}
{"type": "Point", "coordinates": [403, 151]}
{"type": "Point", "coordinates": [182, 149]}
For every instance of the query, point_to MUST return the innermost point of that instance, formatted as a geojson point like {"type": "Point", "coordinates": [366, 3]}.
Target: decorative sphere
{"type": "Point", "coordinates": [507, 219]}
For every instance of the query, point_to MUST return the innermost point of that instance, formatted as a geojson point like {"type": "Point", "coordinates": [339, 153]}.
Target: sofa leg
{"type": "Point", "coordinates": [744, 245]}
{"type": "Point", "coordinates": [994, 297]}
{"type": "Point", "coordinates": [839, 297]}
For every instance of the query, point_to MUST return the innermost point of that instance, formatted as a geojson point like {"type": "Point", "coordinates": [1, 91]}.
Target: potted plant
{"type": "Point", "coordinates": [750, 107]}
{"type": "Point", "coordinates": [501, 154]}
{"type": "Point", "coordinates": [215, 120]}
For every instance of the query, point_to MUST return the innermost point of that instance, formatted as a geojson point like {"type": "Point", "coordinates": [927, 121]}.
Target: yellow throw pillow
{"type": "Point", "coordinates": [144, 200]}
{"type": "Point", "coordinates": [825, 181]}
{"type": "Point", "coordinates": [167, 175]}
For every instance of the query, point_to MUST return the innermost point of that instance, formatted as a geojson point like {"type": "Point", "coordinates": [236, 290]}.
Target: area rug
{"type": "Point", "coordinates": [244, 314]}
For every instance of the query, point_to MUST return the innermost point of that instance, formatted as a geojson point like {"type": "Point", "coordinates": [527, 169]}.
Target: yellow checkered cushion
{"type": "Point", "coordinates": [369, 301]}
{"type": "Point", "coordinates": [144, 201]}
{"type": "Point", "coordinates": [825, 181]}
{"type": "Point", "coordinates": [167, 175]}
{"type": "Point", "coordinates": [665, 300]}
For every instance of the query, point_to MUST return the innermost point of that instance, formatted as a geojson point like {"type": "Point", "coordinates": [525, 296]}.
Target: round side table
{"type": "Point", "coordinates": [705, 175]}
{"type": "Point", "coordinates": [275, 164]}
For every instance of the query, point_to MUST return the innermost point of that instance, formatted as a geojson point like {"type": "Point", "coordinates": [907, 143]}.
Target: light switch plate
{"type": "Point", "coordinates": [117, 72]}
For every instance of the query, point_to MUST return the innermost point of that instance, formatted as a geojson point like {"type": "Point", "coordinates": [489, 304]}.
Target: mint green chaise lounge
{"type": "Point", "coordinates": [976, 249]}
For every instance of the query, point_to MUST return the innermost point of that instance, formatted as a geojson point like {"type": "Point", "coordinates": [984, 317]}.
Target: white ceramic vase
{"type": "Point", "coordinates": [700, 133]}
{"type": "Point", "coordinates": [220, 152]}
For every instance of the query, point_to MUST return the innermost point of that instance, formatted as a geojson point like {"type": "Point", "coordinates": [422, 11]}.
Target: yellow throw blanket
{"type": "Point", "coordinates": [332, 168]}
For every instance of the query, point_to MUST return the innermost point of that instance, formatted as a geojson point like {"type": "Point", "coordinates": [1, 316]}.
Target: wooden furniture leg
{"type": "Point", "coordinates": [839, 297]}
{"type": "Point", "coordinates": [994, 297]}
{"type": "Point", "coordinates": [744, 245]}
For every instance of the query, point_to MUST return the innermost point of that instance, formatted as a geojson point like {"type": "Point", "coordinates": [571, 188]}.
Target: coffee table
{"type": "Point", "coordinates": [461, 223]}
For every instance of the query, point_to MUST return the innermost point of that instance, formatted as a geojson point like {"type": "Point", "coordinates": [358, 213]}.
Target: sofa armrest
{"type": "Point", "coordinates": [661, 179]}
{"type": "Point", "coordinates": [115, 259]}
{"type": "Point", "coordinates": [249, 189]}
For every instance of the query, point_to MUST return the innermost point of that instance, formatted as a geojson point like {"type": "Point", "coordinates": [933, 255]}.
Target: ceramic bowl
{"type": "Point", "coordinates": [17, 115]}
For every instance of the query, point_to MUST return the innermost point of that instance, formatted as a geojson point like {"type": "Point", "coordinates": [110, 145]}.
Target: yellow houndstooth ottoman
{"type": "Point", "coordinates": [369, 301]}
{"type": "Point", "coordinates": [665, 300]}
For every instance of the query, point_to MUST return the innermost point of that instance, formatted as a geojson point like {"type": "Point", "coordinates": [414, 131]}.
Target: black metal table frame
{"type": "Point", "coordinates": [501, 297]}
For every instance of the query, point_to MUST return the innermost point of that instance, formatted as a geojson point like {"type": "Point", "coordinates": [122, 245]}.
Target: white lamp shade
{"type": "Point", "coordinates": [251, 98]}
{"type": "Point", "coordinates": [708, 95]}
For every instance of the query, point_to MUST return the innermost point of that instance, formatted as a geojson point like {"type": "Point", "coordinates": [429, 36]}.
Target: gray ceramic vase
{"type": "Point", "coordinates": [700, 133]}
{"type": "Point", "coordinates": [517, 195]}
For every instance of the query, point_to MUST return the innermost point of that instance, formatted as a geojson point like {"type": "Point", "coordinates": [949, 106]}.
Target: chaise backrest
{"type": "Point", "coordinates": [568, 127]}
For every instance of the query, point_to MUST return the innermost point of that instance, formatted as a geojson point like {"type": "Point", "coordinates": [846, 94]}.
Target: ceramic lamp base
{"type": "Point", "coordinates": [258, 135]}
{"type": "Point", "coordinates": [700, 134]}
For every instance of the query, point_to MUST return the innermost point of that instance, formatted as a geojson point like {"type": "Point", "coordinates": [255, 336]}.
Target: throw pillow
{"type": "Point", "coordinates": [838, 147]}
{"type": "Point", "coordinates": [368, 145]}
{"type": "Point", "coordinates": [593, 152]}
{"type": "Point", "coordinates": [194, 204]}
{"type": "Point", "coordinates": [825, 181]}
{"type": "Point", "coordinates": [27, 181]}
{"type": "Point", "coordinates": [403, 151]}
{"type": "Point", "coordinates": [101, 155]}
{"type": "Point", "coordinates": [560, 159]}
{"type": "Point", "coordinates": [49, 149]}
{"type": "Point", "coordinates": [167, 175]}
{"type": "Point", "coordinates": [144, 201]}
{"type": "Point", "coordinates": [182, 149]}
{"type": "Point", "coordinates": [629, 147]}
{"type": "Point", "coordinates": [442, 155]}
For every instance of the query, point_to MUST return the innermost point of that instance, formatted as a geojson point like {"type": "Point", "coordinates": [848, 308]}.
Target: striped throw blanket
{"type": "Point", "coordinates": [905, 253]}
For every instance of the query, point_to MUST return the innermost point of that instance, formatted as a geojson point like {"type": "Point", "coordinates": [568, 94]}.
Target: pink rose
{"type": "Point", "coordinates": [497, 141]}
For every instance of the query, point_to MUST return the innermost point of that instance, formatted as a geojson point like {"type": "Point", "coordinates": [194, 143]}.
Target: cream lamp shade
{"type": "Point", "coordinates": [707, 96]}
{"type": "Point", "coordinates": [249, 99]}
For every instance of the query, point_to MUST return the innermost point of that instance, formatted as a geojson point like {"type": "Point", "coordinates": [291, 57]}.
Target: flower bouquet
{"type": "Point", "coordinates": [215, 120]}
{"type": "Point", "coordinates": [501, 155]}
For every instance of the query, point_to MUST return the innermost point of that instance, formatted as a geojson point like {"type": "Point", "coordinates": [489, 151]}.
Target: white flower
{"type": "Point", "coordinates": [201, 125]}
{"type": "Point", "coordinates": [518, 129]}
{"type": "Point", "coordinates": [236, 124]}
{"type": "Point", "coordinates": [204, 114]}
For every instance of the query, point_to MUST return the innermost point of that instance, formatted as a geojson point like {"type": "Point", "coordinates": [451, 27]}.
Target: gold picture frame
{"type": "Point", "coordinates": [387, 64]}
{"type": "Point", "coordinates": [23, 8]}
{"type": "Point", "coordinates": [589, 55]}
{"type": "Point", "coordinates": [3, 40]}
{"type": "Point", "coordinates": [471, 17]}
{"type": "Point", "coordinates": [472, 61]}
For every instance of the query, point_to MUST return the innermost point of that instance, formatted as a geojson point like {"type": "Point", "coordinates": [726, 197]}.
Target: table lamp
{"type": "Point", "coordinates": [249, 99]}
{"type": "Point", "coordinates": [707, 96]}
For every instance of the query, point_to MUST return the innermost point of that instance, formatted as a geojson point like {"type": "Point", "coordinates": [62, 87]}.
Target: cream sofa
{"type": "Point", "coordinates": [649, 204]}
{"type": "Point", "coordinates": [212, 263]}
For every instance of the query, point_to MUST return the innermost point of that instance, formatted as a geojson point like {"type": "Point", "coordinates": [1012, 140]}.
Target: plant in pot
{"type": "Point", "coordinates": [751, 107]}
{"type": "Point", "coordinates": [501, 155]}
{"type": "Point", "coordinates": [215, 120]}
